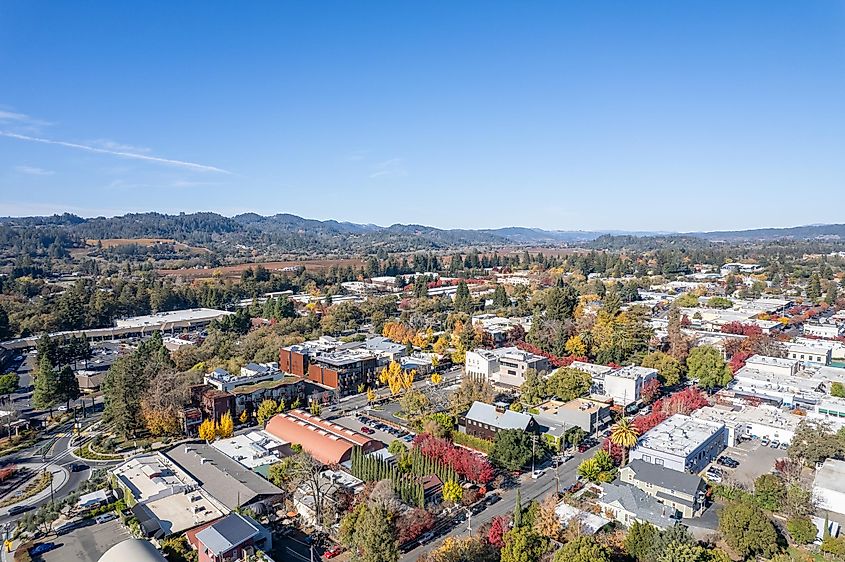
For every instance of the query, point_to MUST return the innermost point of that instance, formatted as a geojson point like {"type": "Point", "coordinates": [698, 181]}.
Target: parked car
{"type": "Point", "coordinates": [764, 441]}
{"type": "Point", "coordinates": [493, 498]}
{"type": "Point", "coordinates": [784, 445]}
{"type": "Point", "coordinates": [713, 476]}
{"type": "Point", "coordinates": [105, 518]}
{"type": "Point", "coordinates": [40, 549]}
{"type": "Point", "coordinates": [425, 537]}
{"type": "Point", "coordinates": [727, 461]}
{"type": "Point", "coordinates": [774, 444]}
{"type": "Point", "coordinates": [367, 430]}
{"type": "Point", "coordinates": [332, 552]}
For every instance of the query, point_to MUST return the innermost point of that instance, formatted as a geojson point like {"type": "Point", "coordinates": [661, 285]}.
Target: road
{"type": "Point", "coordinates": [530, 489]}
{"type": "Point", "coordinates": [53, 450]}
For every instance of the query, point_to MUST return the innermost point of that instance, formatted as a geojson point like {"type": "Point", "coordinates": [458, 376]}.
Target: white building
{"type": "Point", "coordinates": [750, 421]}
{"type": "Point", "coordinates": [682, 443]}
{"type": "Point", "coordinates": [815, 353]}
{"type": "Point", "coordinates": [820, 330]}
{"type": "Point", "coordinates": [505, 366]}
{"type": "Point", "coordinates": [253, 449]}
{"type": "Point", "coordinates": [829, 486]}
{"type": "Point", "coordinates": [623, 385]}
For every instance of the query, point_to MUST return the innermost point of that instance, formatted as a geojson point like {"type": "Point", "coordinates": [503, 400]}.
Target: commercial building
{"type": "Point", "coordinates": [135, 327]}
{"type": "Point", "coordinates": [330, 363]}
{"type": "Point", "coordinates": [253, 449]}
{"type": "Point", "coordinates": [505, 366]}
{"type": "Point", "coordinates": [623, 385]}
{"type": "Point", "coordinates": [234, 537]}
{"type": "Point", "coordinates": [807, 353]}
{"type": "Point", "coordinates": [587, 414]}
{"type": "Point", "coordinates": [823, 330]}
{"type": "Point", "coordinates": [134, 550]}
{"type": "Point", "coordinates": [327, 442]}
{"type": "Point", "coordinates": [747, 422]}
{"type": "Point", "coordinates": [829, 486]}
{"type": "Point", "coordinates": [226, 480]}
{"type": "Point", "coordinates": [681, 443]}
{"type": "Point", "coordinates": [684, 492]}
{"type": "Point", "coordinates": [498, 328]}
{"type": "Point", "coordinates": [164, 497]}
{"type": "Point", "coordinates": [486, 420]}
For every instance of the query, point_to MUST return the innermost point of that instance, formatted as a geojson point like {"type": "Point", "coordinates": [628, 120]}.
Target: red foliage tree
{"type": "Point", "coordinates": [466, 463]}
{"type": "Point", "coordinates": [413, 523]}
{"type": "Point", "coordinates": [498, 528]}
{"type": "Point", "coordinates": [737, 327]}
{"type": "Point", "coordinates": [614, 450]}
{"type": "Point", "coordinates": [738, 360]}
{"type": "Point", "coordinates": [651, 390]}
{"type": "Point", "coordinates": [685, 402]}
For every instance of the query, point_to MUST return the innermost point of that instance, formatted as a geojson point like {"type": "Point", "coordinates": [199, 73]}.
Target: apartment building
{"type": "Point", "coordinates": [623, 385]}
{"type": "Point", "coordinates": [684, 492]}
{"type": "Point", "coordinates": [330, 363]}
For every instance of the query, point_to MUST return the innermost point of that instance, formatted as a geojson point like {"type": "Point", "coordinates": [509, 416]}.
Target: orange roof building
{"type": "Point", "coordinates": [327, 442]}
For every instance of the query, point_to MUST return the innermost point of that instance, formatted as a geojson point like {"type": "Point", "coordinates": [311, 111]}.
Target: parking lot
{"type": "Point", "coordinates": [754, 460]}
{"type": "Point", "coordinates": [352, 423]}
{"type": "Point", "coordinates": [86, 544]}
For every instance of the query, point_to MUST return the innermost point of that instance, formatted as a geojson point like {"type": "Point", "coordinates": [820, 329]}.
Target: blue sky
{"type": "Point", "coordinates": [566, 115]}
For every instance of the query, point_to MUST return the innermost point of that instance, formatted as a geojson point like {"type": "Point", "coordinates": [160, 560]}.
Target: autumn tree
{"type": "Point", "coordinates": [266, 410]}
{"type": "Point", "coordinates": [226, 427]}
{"type": "Point", "coordinates": [547, 522]}
{"type": "Point", "coordinates": [208, 430]}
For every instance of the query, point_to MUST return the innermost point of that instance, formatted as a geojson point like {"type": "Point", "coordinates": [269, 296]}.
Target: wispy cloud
{"type": "Point", "coordinates": [395, 167]}
{"type": "Point", "coordinates": [33, 171]}
{"type": "Point", "coordinates": [22, 121]}
{"type": "Point", "coordinates": [119, 153]}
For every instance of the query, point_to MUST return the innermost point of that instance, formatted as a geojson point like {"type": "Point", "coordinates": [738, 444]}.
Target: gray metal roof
{"type": "Point", "coordinates": [486, 413]}
{"type": "Point", "coordinates": [225, 479]}
{"type": "Point", "coordinates": [227, 533]}
{"type": "Point", "coordinates": [666, 477]}
{"type": "Point", "coordinates": [639, 503]}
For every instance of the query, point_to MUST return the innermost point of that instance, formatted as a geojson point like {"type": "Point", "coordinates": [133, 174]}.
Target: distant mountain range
{"type": "Point", "coordinates": [291, 233]}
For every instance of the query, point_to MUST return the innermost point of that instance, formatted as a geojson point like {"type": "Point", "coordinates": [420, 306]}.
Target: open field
{"type": "Point", "coordinates": [232, 271]}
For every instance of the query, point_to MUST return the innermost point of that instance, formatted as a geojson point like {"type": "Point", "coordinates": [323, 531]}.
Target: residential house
{"type": "Point", "coordinates": [626, 504]}
{"type": "Point", "coordinates": [234, 537]}
{"type": "Point", "coordinates": [486, 420]}
{"type": "Point", "coordinates": [682, 491]}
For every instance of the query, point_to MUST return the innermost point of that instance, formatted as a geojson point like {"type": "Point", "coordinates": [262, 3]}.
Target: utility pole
{"type": "Point", "coordinates": [469, 521]}
{"type": "Point", "coordinates": [533, 443]}
{"type": "Point", "coordinates": [557, 475]}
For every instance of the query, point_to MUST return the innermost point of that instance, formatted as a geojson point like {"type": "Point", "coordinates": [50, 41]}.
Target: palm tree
{"type": "Point", "coordinates": [624, 435]}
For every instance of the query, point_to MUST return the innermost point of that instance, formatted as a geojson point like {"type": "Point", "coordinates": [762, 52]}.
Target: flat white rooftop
{"type": "Point", "coordinates": [831, 476]}
{"type": "Point", "coordinates": [252, 449]}
{"type": "Point", "coordinates": [679, 434]}
{"type": "Point", "coordinates": [172, 317]}
{"type": "Point", "coordinates": [760, 415]}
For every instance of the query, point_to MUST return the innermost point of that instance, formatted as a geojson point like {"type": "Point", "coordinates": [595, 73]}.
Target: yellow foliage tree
{"type": "Point", "coordinates": [371, 395]}
{"type": "Point", "coordinates": [452, 492]}
{"type": "Point", "coordinates": [208, 430]}
{"type": "Point", "coordinates": [436, 378]}
{"type": "Point", "coordinates": [441, 345]}
{"type": "Point", "coordinates": [226, 427]}
{"type": "Point", "coordinates": [243, 418]}
{"type": "Point", "coordinates": [576, 346]}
